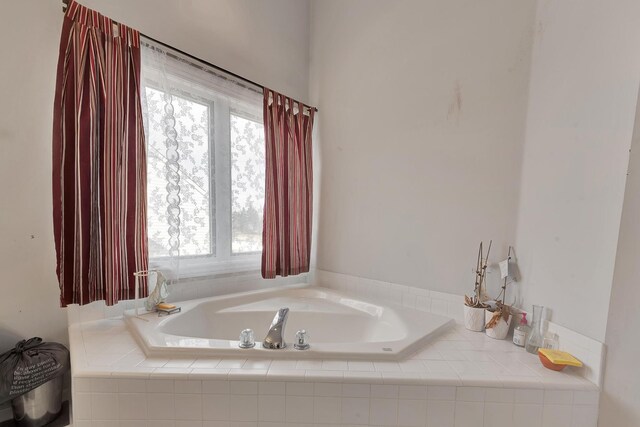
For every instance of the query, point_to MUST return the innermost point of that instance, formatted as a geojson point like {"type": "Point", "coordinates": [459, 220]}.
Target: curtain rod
{"type": "Point", "coordinates": [65, 4]}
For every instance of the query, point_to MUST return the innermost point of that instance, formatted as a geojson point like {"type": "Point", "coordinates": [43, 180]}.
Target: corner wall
{"type": "Point", "coordinates": [266, 42]}
{"type": "Point", "coordinates": [422, 111]}
{"type": "Point", "coordinates": [619, 404]}
{"type": "Point", "coordinates": [584, 83]}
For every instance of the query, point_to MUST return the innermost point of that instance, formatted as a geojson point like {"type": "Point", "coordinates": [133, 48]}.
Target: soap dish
{"type": "Point", "coordinates": [165, 309]}
{"type": "Point", "coordinates": [557, 360]}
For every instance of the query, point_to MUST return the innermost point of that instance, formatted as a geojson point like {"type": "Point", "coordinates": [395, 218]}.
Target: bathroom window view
{"type": "Point", "coordinates": [193, 127]}
{"type": "Point", "coordinates": [247, 183]}
{"type": "Point", "coordinates": [215, 173]}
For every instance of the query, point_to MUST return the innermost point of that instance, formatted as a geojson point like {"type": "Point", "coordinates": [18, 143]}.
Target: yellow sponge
{"type": "Point", "coordinates": [560, 357]}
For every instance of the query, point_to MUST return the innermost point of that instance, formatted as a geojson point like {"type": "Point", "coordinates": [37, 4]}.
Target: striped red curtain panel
{"type": "Point", "coordinates": [99, 161]}
{"type": "Point", "coordinates": [286, 232]}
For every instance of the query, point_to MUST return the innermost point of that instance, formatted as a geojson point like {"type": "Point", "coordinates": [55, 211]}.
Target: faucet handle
{"type": "Point", "coordinates": [247, 339]}
{"type": "Point", "coordinates": [302, 340]}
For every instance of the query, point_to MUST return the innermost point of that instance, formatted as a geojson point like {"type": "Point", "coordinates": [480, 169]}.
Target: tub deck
{"type": "Point", "coordinates": [460, 378]}
{"type": "Point", "coordinates": [106, 348]}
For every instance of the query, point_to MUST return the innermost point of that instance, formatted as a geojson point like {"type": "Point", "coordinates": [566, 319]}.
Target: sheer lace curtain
{"type": "Point", "coordinates": [164, 204]}
{"type": "Point", "coordinates": [205, 145]}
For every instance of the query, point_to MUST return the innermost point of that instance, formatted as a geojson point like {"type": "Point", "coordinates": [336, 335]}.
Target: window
{"type": "Point", "coordinates": [197, 235]}
{"type": "Point", "coordinates": [214, 173]}
{"type": "Point", "coordinates": [247, 183]}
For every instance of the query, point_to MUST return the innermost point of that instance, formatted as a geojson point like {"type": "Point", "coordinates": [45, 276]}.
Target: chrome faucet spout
{"type": "Point", "coordinates": [275, 337]}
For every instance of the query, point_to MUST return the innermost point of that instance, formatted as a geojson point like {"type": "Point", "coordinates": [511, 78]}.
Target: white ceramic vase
{"type": "Point", "coordinates": [474, 318]}
{"type": "Point", "coordinates": [500, 330]}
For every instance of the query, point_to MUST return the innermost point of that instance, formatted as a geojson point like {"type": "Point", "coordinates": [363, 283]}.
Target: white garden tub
{"type": "Point", "coordinates": [339, 326]}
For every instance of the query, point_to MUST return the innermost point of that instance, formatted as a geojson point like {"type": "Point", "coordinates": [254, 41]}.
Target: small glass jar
{"type": "Point", "coordinates": [551, 341]}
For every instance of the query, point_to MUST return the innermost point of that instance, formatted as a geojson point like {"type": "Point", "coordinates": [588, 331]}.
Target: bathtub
{"type": "Point", "coordinates": [339, 326]}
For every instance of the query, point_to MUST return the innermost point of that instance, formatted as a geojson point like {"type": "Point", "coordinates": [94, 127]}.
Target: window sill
{"type": "Point", "coordinates": [190, 268]}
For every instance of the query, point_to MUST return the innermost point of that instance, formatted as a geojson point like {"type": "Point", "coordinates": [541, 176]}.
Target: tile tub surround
{"type": "Point", "coordinates": [216, 403]}
{"type": "Point", "coordinates": [588, 350]}
{"type": "Point", "coordinates": [462, 378]}
{"type": "Point", "coordinates": [186, 289]}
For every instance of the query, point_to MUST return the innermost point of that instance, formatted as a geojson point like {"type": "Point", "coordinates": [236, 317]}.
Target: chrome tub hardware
{"type": "Point", "coordinates": [247, 339]}
{"type": "Point", "coordinates": [275, 337]}
{"type": "Point", "coordinates": [302, 340]}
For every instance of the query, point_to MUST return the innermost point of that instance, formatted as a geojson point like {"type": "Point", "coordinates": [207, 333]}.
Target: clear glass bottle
{"type": "Point", "coordinates": [521, 331]}
{"type": "Point", "coordinates": [534, 339]}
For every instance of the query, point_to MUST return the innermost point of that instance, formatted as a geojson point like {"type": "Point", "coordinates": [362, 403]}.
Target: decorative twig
{"type": "Point", "coordinates": [502, 311]}
{"type": "Point", "coordinates": [481, 270]}
{"type": "Point", "coordinates": [478, 283]}
{"type": "Point", "coordinates": [484, 268]}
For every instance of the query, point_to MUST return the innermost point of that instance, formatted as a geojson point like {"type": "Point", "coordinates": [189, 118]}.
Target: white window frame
{"type": "Point", "coordinates": [222, 260]}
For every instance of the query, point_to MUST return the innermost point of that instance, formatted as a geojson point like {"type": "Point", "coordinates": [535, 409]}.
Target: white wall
{"type": "Point", "coordinates": [264, 41]}
{"type": "Point", "coordinates": [619, 405]}
{"type": "Point", "coordinates": [422, 110]}
{"type": "Point", "coordinates": [584, 82]}
{"type": "Point", "coordinates": [30, 297]}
